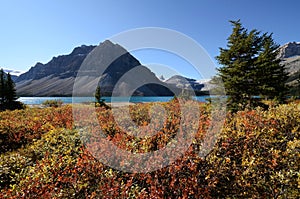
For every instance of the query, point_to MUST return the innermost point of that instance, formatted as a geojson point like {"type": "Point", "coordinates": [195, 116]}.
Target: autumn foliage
{"type": "Point", "coordinates": [256, 155]}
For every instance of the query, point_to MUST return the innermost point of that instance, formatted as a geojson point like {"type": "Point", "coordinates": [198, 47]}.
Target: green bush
{"type": "Point", "coordinates": [52, 103]}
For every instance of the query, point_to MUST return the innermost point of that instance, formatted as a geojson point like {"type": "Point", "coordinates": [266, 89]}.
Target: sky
{"type": "Point", "coordinates": [36, 30]}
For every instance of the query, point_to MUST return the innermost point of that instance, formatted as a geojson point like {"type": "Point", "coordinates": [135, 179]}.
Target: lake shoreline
{"type": "Point", "coordinates": [75, 100]}
{"type": "Point", "coordinates": [115, 104]}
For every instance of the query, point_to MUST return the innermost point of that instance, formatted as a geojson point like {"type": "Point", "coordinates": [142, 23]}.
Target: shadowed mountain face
{"type": "Point", "coordinates": [88, 66]}
{"type": "Point", "coordinates": [62, 66]}
{"type": "Point", "coordinates": [55, 78]}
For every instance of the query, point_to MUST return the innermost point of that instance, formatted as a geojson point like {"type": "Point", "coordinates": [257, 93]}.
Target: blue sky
{"type": "Point", "coordinates": [36, 30]}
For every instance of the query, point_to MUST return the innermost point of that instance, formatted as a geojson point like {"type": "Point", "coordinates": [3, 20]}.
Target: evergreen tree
{"type": "Point", "coordinates": [98, 94]}
{"type": "Point", "coordinates": [99, 101]}
{"type": "Point", "coordinates": [272, 76]}
{"type": "Point", "coordinates": [2, 89]}
{"type": "Point", "coordinates": [250, 68]}
{"type": "Point", "coordinates": [8, 96]}
{"type": "Point", "coordinates": [238, 65]}
{"type": "Point", "coordinates": [11, 95]}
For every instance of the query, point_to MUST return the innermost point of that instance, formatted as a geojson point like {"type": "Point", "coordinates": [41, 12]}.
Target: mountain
{"type": "Point", "coordinates": [54, 78]}
{"type": "Point", "coordinates": [61, 66]}
{"type": "Point", "coordinates": [292, 65]}
{"type": "Point", "coordinates": [290, 56]}
{"type": "Point", "coordinates": [180, 82]}
{"type": "Point", "coordinates": [104, 64]}
{"type": "Point", "coordinates": [118, 72]}
{"type": "Point", "coordinates": [288, 50]}
{"type": "Point", "coordinates": [184, 82]}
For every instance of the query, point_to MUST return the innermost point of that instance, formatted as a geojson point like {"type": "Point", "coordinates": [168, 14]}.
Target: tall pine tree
{"type": "Point", "coordinates": [98, 96]}
{"type": "Point", "coordinates": [11, 95]}
{"type": "Point", "coordinates": [271, 75]}
{"type": "Point", "coordinates": [8, 96]}
{"type": "Point", "coordinates": [250, 68]}
{"type": "Point", "coordinates": [2, 89]}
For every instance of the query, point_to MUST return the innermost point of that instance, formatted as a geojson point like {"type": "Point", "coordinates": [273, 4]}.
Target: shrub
{"type": "Point", "coordinates": [52, 103]}
{"type": "Point", "coordinates": [257, 155]}
{"type": "Point", "coordinates": [21, 127]}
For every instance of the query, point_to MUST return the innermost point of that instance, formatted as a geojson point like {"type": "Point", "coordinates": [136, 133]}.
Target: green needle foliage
{"type": "Point", "coordinates": [251, 68]}
{"type": "Point", "coordinates": [8, 94]}
{"type": "Point", "coordinates": [99, 102]}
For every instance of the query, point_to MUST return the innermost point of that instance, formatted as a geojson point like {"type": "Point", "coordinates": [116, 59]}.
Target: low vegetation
{"type": "Point", "coordinates": [257, 155]}
{"type": "Point", "coordinates": [52, 103]}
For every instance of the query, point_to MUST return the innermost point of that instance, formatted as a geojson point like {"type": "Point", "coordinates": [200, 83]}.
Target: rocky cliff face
{"type": "Point", "coordinates": [289, 50]}
{"type": "Point", "coordinates": [105, 65]}
{"type": "Point", "coordinates": [184, 83]}
{"type": "Point", "coordinates": [290, 56]}
{"type": "Point", "coordinates": [180, 82]}
{"type": "Point", "coordinates": [62, 66]}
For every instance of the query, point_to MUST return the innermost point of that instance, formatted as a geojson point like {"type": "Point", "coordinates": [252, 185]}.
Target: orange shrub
{"type": "Point", "coordinates": [256, 156]}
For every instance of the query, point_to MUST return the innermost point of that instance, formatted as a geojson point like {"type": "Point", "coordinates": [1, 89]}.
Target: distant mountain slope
{"type": "Point", "coordinates": [119, 72]}
{"type": "Point", "coordinates": [184, 82]}
{"type": "Point", "coordinates": [61, 66]}
{"type": "Point", "coordinates": [293, 67]}
{"type": "Point", "coordinates": [180, 82]}
{"type": "Point", "coordinates": [289, 50]}
{"type": "Point", "coordinates": [290, 56]}
{"type": "Point", "coordinates": [56, 78]}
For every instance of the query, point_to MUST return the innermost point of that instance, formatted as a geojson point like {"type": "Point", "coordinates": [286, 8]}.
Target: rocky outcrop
{"type": "Point", "coordinates": [288, 50]}
{"type": "Point", "coordinates": [184, 82]}
{"type": "Point", "coordinates": [63, 66]}
{"type": "Point", "coordinates": [290, 56]}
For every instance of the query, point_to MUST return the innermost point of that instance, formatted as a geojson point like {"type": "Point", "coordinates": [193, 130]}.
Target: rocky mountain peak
{"type": "Point", "coordinates": [82, 50]}
{"type": "Point", "coordinates": [107, 43]}
{"type": "Point", "coordinates": [109, 47]}
{"type": "Point", "coordinates": [63, 65]}
{"type": "Point", "coordinates": [107, 65]}
{"type": "Point", "coordinates": [290, 49]}
{"type": "Point", "coordinates": [184, 83]}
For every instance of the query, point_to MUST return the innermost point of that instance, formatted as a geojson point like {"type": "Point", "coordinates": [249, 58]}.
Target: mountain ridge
{"type": "Point", "coordinates": [57, 77]}
{"type": "Point", "coordinates": [289, 50]}
{"type": "Point", "coordinates": [289, 53]}
{"type": "Point", "coordinates": [60, 65]}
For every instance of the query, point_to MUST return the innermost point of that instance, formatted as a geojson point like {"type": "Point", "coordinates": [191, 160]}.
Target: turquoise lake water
{"type": "Point", "coordinates": [69, 100]}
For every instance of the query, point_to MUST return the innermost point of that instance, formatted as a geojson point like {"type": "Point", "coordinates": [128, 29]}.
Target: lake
{"type": "Point", "coordinates": [69, 100]}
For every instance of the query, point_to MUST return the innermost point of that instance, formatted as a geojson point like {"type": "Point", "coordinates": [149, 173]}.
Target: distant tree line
{"type": "Point", "coordinates": [251, 70]}
{"type": "Point", "coordinates": [8, 96]}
